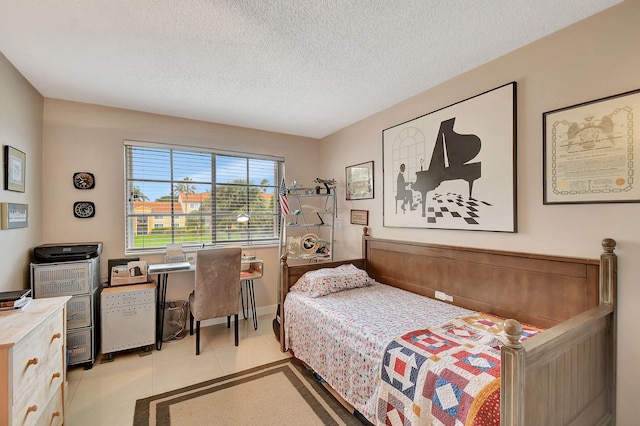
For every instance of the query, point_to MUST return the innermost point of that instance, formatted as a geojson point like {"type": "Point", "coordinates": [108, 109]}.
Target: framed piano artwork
{"type": "Point", "coordinates": [454, 168]}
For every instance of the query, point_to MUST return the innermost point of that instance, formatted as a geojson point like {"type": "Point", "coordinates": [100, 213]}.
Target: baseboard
{"type": "Point", "coordinates": [263, 310]}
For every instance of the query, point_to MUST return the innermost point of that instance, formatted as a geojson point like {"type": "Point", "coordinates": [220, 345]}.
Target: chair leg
{"type": "Point", "coordinates": [235, 319]}
{"type": "Point", "coordinates": [190, 323]}
{"type": "Point", "coordinates": [228, 321]}
{"type": "Point", "coordinates": [197, 337]}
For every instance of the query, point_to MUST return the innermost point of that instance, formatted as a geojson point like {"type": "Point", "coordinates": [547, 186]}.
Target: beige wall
{"type": "Point", "coordinates": [593, 59]}
{"type": "Point", "coordinates": [20, 127]}
{"type": "Point", "coordinates": [81, 137]}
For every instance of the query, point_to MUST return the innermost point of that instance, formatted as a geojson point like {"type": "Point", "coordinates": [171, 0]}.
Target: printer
{"type": "Point", "coordinates": [69, 252]}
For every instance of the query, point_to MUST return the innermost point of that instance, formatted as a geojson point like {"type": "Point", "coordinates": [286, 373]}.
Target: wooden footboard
{"type": "Point", "coordinates": [564, 376]}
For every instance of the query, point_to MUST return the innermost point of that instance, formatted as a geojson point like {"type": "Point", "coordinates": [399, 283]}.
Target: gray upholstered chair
{"type": "Point", "coordinates": [217, 287]}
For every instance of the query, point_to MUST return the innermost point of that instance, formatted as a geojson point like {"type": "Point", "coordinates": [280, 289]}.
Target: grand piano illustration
{"type": "Point", "coordinates": [449, 161]}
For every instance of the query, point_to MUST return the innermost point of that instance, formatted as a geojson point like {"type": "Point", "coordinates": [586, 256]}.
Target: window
{"type": "Point", "coordinates": [193, 196]}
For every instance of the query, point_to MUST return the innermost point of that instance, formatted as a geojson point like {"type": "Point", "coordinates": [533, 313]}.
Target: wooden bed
{"type": "Point", "coordinates": [564, 376]}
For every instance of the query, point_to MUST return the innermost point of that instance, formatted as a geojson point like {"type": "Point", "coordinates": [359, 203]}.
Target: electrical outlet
{"type": "Point", "coordinates": [448, 298]}
{"type": "Point", "coordinates": [440, 295]}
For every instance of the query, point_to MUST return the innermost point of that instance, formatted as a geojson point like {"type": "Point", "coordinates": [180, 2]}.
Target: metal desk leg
{"type": "Point", "coordinates": [245, 311]}
{"type": "Point", "coordinates": [161, 299]}
{"type": "Point", "coordinates": [250, 302]}
{"type": "Point", "coordinates": [252, 298]}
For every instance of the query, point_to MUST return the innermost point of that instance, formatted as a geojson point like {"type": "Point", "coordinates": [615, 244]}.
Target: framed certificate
{"type": "Point", "coordinates": [589, 151]}
{"type": "Point", "coordinates": [360, 217]}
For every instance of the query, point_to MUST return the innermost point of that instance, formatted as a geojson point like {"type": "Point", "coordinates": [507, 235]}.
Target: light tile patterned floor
{"type": "Point", "coordinates": [106, 394]}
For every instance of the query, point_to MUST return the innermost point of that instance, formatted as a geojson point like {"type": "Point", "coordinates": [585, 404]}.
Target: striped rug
{"type": "Point", "coordinates": [280, 393]}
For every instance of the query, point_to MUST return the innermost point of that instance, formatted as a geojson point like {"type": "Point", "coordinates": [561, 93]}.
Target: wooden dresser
{"type": "Point", "coordinates": [32, 363]}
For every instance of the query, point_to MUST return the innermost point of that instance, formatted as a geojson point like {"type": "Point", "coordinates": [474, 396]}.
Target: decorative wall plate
{"type": "Point", "coordinates": [84, 180]}
{"type": "Point", "coordinates": [309, 243]}
{"type": "Point", "coordinates": [84, 209]}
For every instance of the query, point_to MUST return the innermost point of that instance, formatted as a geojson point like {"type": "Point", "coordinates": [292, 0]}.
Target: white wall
{"type": "Point", "coordinates": [592, 59]}
{"type": "Point", "coordinates": [20, 127]}
{"type": "Point", "coordinates": [82, 137]}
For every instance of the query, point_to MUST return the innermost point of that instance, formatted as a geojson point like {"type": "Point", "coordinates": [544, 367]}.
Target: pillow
{"type": "Point", "coordinates": [331, 280]}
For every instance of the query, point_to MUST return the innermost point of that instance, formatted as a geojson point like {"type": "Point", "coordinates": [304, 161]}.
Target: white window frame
{"type": "Point", "coordinates": [249, 232]}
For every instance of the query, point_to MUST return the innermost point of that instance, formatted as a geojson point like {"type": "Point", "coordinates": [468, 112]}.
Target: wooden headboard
{"type": "Point", "coordinates": [537, 289]}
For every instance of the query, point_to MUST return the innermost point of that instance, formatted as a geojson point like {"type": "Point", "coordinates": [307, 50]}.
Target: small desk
{"type": "Point", "coordinates": [254, 271]}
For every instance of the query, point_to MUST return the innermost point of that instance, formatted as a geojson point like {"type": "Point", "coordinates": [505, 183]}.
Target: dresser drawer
{"type": "Point", "coordinates": [79, 312]}
{"type": "Point", "coordinates": [28, 356]}
{"type": "Point", "coordinates": [52, 415]}
{"type": "Point", "coordinates": [29, 408]}
{"type": "Point", "coordinates": [46, 413]}
{"type": "Point", "coordinates": [63, 279]}
{"type": "Point", "coordinates": [38, 369]}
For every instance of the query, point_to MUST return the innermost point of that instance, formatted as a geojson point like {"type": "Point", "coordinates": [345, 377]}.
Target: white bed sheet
{"type": "Point", "coordinates": [342, 336]}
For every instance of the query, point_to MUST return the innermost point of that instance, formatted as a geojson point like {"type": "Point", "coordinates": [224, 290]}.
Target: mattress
{"type": "Point", "coordinates": [343, 335]}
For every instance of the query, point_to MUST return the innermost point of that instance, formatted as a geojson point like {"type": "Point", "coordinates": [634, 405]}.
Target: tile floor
{"type": "Point", "coordinates": [106, 394]}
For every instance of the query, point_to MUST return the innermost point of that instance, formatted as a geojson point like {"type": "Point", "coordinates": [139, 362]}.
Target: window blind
{"type": "Point", "coordinates": [175, 195]}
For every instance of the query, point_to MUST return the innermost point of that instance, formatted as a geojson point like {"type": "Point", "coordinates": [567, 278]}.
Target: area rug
{"type": "Point", "coordinates": [280, 393]}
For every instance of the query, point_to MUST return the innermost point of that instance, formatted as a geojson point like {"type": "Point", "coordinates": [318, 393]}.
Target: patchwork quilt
{"type": "Point", "coordinates": [445, 375]}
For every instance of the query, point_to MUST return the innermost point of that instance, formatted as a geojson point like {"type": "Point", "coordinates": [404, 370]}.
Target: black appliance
{"type": "Point", "coordinates": [48, 253]}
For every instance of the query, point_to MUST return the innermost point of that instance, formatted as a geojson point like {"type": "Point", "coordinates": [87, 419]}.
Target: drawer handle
{"type": "Point", "coordinates": [56, 336]}
{"type": "Point", "coordinates": [55, 376]}
{"type": "Point", "coordinates": [32, 361]}
{"type": "Point", "coordinates": [32, 409]}
{"type": "Point", "coordinates": [54, 415]}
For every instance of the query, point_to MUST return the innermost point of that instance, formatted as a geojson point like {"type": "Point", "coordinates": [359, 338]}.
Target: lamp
{"type": "Point", "coordinates": [244, 218]}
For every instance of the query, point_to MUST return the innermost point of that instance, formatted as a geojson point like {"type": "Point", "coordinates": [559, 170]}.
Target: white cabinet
{"type": "Point", "coordinates": [128, 317]}
{"type": "Point", "coordinates": [32, 363]}
{"type": "Point", "coordinates": [307, 231]}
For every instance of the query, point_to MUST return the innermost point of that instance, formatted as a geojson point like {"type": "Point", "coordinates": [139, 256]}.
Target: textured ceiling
{"type": "Point", "coordinates": [303, 67]}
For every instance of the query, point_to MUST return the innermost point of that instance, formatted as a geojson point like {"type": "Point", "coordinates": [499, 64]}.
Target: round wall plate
{"type": "Point", "coordinates": [84, 209]}
{"type": "Point", "coordinates": [309, 243]}
{"type": "Point", "coordinates": [84, 180]}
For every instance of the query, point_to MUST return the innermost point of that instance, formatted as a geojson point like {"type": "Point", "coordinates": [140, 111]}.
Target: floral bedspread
{"type": "Point", "coordinates": [445, 375]}
{"type": "Point", "coordinates": [342, 336]}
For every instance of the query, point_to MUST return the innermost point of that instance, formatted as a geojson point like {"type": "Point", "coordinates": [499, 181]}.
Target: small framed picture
{"type": "Point", "coordinates": [293, 246]}
{"type": "Point", "coordinates": [15, 165]}
{"type": "Point", "coordinates": [360, 181]}
{"type": "Point", "coordinates": [14, 215]}
{"type": "Point", "coordinates": [360, 217]}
